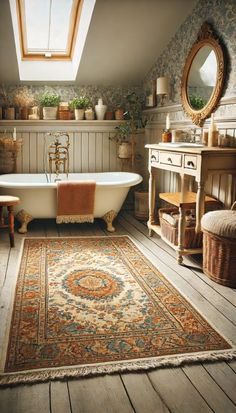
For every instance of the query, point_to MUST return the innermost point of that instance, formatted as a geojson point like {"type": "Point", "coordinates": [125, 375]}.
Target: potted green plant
{"type": "Point", "coordinates": [49, 102]}
{"type": "Point", "coordinates": [79, 104]}
{"type": "Point", "coordinates": [121, 137]}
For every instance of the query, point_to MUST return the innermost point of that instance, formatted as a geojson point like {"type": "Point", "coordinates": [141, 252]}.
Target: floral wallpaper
{"type": "Point", "coordinates": [221, 14]}
{"type": "Point", "coordinates": [113, 97]}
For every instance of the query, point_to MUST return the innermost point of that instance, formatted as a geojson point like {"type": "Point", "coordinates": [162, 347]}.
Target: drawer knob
{"type": "Point", "coordinates": [190, 163]}
{"type": "Point", "coordinates": [153, 158]}
{"type": "Point", "coordinates": [169, 160]}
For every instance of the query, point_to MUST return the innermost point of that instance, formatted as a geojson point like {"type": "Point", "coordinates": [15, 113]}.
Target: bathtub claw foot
{"type": "Point", "coordinates": [24, 218]}
{"type": "Point", "coordinates": [108, 218]}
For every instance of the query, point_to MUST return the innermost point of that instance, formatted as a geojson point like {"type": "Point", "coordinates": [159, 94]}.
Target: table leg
{"type": "Point", "coordinates": [181, 234]}
{"type": "Point", "coordinates": [151, 200]}
{"type": "Point", "coordinates": [1, 216]}
{"type": "Point", "coordinates": [200, 205]}
{"type": "Point", "coordinates": [11, 225]}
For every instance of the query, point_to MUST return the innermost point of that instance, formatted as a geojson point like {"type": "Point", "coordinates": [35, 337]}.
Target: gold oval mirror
{"type": "Point", "coordinates": [203, 76]}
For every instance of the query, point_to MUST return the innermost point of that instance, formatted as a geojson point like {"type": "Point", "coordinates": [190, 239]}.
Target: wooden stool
{"type": "Point", "coordinates": [8, 201]}
{"type": "Point", "coordinates": [188, 201]}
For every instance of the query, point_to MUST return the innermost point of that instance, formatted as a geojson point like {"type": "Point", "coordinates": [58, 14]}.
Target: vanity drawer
{"type": "Point", "coordinates": [154, 156]}
{"type": "Point", "coordinates": [170, 158]}
{"type": "Point", "coordinates": [190, 161]}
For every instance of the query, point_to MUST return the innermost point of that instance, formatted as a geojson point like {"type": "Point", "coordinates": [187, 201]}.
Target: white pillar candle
{"type": "Point", "coordinates": [167, 121]}
{"type": "Point", "coordinates": [14, 134]}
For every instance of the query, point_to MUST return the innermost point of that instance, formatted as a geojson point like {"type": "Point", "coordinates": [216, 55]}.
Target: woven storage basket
{"type": "Point", "coordinates": [170, 232]}
{"type": "Point", "coordinates": [219, 258]}
{"type": "Point", "coordinates": [9, 150]}
{"type": "Point", "coordinates": [219, 247]}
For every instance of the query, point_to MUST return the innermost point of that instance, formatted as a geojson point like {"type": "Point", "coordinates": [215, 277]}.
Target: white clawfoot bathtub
{"type": "Point", "coordinates": [38, 197]}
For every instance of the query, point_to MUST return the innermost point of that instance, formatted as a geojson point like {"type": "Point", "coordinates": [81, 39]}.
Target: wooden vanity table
{"type": "Point", "coordinates": [186, 161]}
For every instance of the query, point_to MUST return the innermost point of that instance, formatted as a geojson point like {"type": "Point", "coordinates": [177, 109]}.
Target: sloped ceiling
{"type": "Point", "coordinates": [124, 40]}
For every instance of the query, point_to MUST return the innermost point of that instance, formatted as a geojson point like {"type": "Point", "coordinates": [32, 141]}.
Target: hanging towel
{"type": "Point", "coordinates": [75, 201]}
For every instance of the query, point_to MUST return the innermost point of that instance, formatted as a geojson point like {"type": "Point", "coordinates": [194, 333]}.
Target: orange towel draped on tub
{"type": "Point", "coordinates": [75, 201]}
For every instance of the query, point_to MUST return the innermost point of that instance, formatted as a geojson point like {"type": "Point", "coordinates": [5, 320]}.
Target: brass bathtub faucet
{"type": "Point", "coordinates": [58, 154]}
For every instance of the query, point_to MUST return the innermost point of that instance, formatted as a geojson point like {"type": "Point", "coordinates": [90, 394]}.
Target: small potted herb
{"type": "Point", "coordinates": [49, 102]}
{"type": "Point", "coordinates": [79, 104]}
{"type": "Point", "coordinates": [121, 137]}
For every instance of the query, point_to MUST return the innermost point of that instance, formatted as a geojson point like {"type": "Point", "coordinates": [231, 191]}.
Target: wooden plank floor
{"type": "Point", "coordinates": [202, 387]}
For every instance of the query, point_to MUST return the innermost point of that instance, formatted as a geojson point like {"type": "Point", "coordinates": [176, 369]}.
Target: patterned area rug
{"type": "Point", "coordinates": [97, 305]}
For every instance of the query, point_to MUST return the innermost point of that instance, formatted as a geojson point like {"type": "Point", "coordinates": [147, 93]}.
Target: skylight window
{"type": "Point", "coordinates": [48, 28]}
{"type": "Point", "coordinates": [50, 37]}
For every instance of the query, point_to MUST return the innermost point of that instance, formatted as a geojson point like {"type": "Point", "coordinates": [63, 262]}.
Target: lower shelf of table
{"type": "Point", "coordinates": [185, 251]}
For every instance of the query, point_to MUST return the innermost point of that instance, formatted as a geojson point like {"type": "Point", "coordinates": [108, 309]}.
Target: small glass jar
{"type": "Point", "coordinates": [224, 141]}
{"type": "Point", "coordinates": [166, 136]}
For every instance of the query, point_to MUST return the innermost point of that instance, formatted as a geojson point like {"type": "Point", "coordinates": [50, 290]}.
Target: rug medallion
{"type": "Point", "coordinates": [99, 301]}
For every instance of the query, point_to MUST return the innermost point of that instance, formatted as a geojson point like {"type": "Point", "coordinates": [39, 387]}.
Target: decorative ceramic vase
{"type": "Point", "coordinates": [89, 114]}
{"type": "Point", "coordinates": [124, 150]}
{"type": "Point", "coordinates": [50, 113]}
{"type": "Point", "coordinates": [100, 110]}
{"type": "Point", "coordinates": [79, 114]}
{"type": "Point", "coordinates": [119, 114]}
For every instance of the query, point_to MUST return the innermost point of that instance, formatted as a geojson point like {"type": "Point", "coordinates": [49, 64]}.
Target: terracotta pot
{"type": "Point", "coordinates": [109, 115]}
{"type": "Point", "coordinates": [119, 114]}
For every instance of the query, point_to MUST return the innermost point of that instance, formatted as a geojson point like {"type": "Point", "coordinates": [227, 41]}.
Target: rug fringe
{"type": "Point", "coordinates": [7, 379]}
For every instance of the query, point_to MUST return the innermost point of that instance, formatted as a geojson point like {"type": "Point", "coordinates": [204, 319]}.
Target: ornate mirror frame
{"type": "Point", "coordinates": [206, 37]}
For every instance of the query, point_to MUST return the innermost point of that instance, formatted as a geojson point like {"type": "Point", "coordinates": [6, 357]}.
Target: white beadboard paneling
{"type": "Point", "coordinates": [90, 146]}
{"type": "Point", "coordinates": [77, 152]}
{"type": "Point", "coordinates": [99, 152]}
{"type": "Point", "coordinates": [113, 153]}
{"type": "Point", "coordinates": [105, 152]}
{"type": "Point", "coordinates": [33, 149]}
{"type": "Point", "coordinates": [71, 151]}
{"type": "Point", "coordinates": [26, 152]}
{"type": "Point", "coordinates": [92, 152]}
{"type": "Point", "coordinates": [85, 151]}
{"type": "Point", "coordinates": [40, 152]}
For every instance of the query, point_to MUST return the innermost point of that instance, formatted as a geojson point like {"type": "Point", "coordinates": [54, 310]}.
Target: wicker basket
{"type": "Point", "coordinates": [219, 254]}
{"type": "Point", "coordinates": [9, 150]}
{"type": "Point", "coordinates": [219, 258]}
{"type": "Point", "coordinates": [170, 232]}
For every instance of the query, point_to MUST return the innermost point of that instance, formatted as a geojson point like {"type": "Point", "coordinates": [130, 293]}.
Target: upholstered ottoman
{"type": "Point", "coordinates": [219, 246]}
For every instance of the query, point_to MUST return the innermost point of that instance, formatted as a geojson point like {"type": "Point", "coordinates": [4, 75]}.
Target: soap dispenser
{"type": "Point", "coordinates": [213, 133]}
{"type": "Point", "coordinates": [100, 110]}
